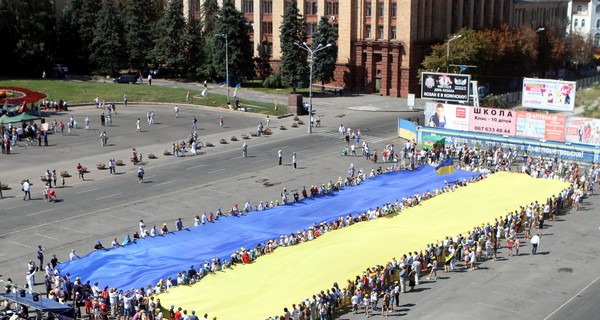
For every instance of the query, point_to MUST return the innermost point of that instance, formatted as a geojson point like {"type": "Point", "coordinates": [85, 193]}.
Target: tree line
{"type": "Point", "coordinates": [501, 55]}
{"type": "Point", "coordinates": [108, 36]}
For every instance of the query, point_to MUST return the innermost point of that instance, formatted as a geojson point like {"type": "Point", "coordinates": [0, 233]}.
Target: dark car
{"type": "Point", "coordinates": [128, 78]}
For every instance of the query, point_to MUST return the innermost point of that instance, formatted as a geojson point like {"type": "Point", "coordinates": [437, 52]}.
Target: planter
{"type": "Point", "coordinates": [267, 132]}
{"type": "Point", "coordinates": [43, 178]}
{"type": "Point", "coordinates": [223, 141]}
{"type": "Point", "coordinates": [151, 156]}
{"type": "Point", "coordinates": [100, 166]}
{"type": "Point", "coordinates": [294, 125]}
{"type": "Point", "coordinates": [253, 134]}
{"type": "Point", "coordinates": [245, 136]}
{"type": "Point", "coordinates": [300, 122]}
{"type": "Point", "coordinates": [282, 128]}
{"type": "Point", "coordinates": [84, 169]}
{"type": "Point", "coordinates": [233, 138]}
{"type": "Point", "coordinates": [65, 174]}
{"type": "Point", "coordinates": [4, 186]}
{"type": "Point", "coordinates": [166, 153]}
{"type": "Point", "coordinates": [119, 163]}
{"type": "Point", "coordinates": [296, 118]}
{"type": "Point", "coordinates": [209, 144]}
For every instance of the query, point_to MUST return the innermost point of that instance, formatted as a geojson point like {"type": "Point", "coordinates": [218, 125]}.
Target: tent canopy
{"type": "Point", "coordinates": [43, 304]}
{"type": "Point", "coordinates": [19, 118]}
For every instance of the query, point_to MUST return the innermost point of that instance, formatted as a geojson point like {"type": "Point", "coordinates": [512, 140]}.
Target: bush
{"type": "Point", "coordinates": [223, 141]}
{"type": "Point", "coordinates": [209, 144]}
{"type": "Point", "coordinates": [273, 81]}
{"type": "Point", "coordinates": [294, 125]}
{"type": "Point", "coordinates": [233, 138]}
{"type": "Point", "coordinates": [65, 174]}
{"type": "Point", "coordinates": [151, 156]}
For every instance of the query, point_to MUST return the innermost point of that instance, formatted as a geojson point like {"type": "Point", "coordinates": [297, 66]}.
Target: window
{"type": "Point", "coordinates": [267, 48]}
{"type": "Point", "coordinates": [582, 23]}
{"type": "Point", "coordinates": [597, 38]}
{"type": "Point", "coordinates": [368, 9]}
{"type": "Point", "coordinates": [576, 23]}
{"type": "Point", "coordinates": [310, 8]}
{"type": "Point", "coordinates": [380, 9]}
{"type": "Point", "coordinates": [248, 6]}
{"type": "Point", "coordinates": [394, 10]}
{"type": "Point", "coordinates": [267, 27]}
{"type": "Point", "coordinates": [579, 8]}
{"type": "Point", "coordinates": [332, 8]}
{"type": "Point", "coordinates": [598, 9]}
{"type": "Point", "coordinates": [266, 7]}
{"type": "Point", "coordinates": [393, 34]}
{"type": "Point", "coordinates": [597, 23]}
{"type": "Point", "coordinates": [367, 32]}
{"type": "Point", "coordinates": [311, 28]}
{"type": "Point", "coordinates": [379, 32]}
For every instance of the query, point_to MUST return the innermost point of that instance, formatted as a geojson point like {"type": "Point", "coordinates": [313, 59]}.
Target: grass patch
{"type": "Point", "coordinates": [256, 85]}
{"type": "Point", "coordinates": [86, 92]}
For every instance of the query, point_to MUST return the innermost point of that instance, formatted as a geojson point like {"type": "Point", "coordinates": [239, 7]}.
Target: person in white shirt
{"type": "Point", "coordinates": [26, 190]}
{"type": "Point", "coordinates": [73, 255]}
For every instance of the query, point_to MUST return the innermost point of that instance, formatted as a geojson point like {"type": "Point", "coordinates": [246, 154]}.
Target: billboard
{"type": "Point", "coordinates": [445, 86]}
{"type": "Point", "coordinates": [582, 130]}
{"type": "Point", "coordinates": [450, 116]}
{"type": "Point", "coordinates": [541, 126]}
{"type": "Point", "coordinates": [547, 94]}
{"type": "Point", "coordinates": [496, 121]}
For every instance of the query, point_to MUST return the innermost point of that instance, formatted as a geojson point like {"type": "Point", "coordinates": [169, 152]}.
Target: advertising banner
{"type": "Point", "coordinates": [450, 116]}
{"type": "Point", "coordinates": [445, 86]}
{"type": "Point", "coordinates": [496, 121]}
{"type": "Point", "coordinates": [582, 130]}
{"type": "Point", "coordinates": [548, 94]}
{"type": "Point", "coordinates": [541, 126]}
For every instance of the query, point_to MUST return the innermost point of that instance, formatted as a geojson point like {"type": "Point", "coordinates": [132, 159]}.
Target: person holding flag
{"type": "Point", "coordinates": [445, 167]}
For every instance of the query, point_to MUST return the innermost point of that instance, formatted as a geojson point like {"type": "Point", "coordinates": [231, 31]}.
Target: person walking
{"type": "Point", "coordinates": [103, 139]}
{"type": "Point", "coordinates": [138, 126]}
{"type": "Point", "coordinates": [535, 242]}
{"type": "Point", "coordinates": [221, 122]}
{"type": "Point", "coordinates": [1, 196]}
{"type": "Point", "coordinates": [140, 174]}
{"type": "Point", "coordinates": [26, 190]}
{"type": "Point", "coordinates": [124, 99]}
{"type": "Point", "coordinates": [176, 109]}
{"type": "Point", "coordinates": [80, 171]}
{"type": "Point", "coordinates": [194, 123]}
{"type": "Point", "coordinates": [245, 149]}
{"type": "Point", "coordinates": [150, 78]}
{"type": "Point", "coordinates": [294, 160]}
{"type": "Point", "coordinates": [280, 155]}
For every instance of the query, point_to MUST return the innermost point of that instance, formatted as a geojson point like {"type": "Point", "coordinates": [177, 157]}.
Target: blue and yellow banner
{"type": "Point", "coordinates": [446, 167]}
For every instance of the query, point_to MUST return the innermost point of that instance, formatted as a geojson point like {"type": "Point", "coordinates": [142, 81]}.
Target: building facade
{"type": "Point", "coordinates": [382, 43]}
{"type": "Point", "coordinates": [584, 16]}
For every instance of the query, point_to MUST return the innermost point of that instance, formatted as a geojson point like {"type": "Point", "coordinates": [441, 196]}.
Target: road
{"type": "Point", "coordinates": [560, 283]}
{"type": "Point", "coordinates": [104, 207]}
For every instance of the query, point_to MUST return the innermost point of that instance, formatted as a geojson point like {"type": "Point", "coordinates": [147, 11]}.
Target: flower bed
{"type": "Point", "coordinates": [16, 95]}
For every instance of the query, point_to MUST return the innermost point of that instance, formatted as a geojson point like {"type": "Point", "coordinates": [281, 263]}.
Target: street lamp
{"type": "Point", "coordinates": [311, 53]}
{"type": "Point", "coordinates": [224, 35]}
{"type": "Point", "coordinates": [456, 37]}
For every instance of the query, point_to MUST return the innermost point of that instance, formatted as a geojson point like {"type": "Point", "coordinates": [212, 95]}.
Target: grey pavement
{"type": "Point", "coordinates": [561, 283]}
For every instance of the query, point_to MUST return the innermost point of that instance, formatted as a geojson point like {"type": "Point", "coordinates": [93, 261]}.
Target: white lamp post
{"type": "Point", "coordinates": [456, 37]}
{"type": "Point", "coordinates": [311, 53]}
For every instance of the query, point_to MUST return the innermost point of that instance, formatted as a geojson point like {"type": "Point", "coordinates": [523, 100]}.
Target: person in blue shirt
{"type": "Point", "coordinates": [438, 119]}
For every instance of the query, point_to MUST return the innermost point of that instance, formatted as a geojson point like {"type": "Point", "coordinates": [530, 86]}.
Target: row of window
{"type": "Point", "coordinates": [310, 7]}
{"type": "Point", "coordinates": [576, 23]}
{"type": "Point", "coordinates": [381, 9]}
{"type": "Point", "coordinates": [267, 28]}
{"type": "Point", "coordinates": [380, 29]}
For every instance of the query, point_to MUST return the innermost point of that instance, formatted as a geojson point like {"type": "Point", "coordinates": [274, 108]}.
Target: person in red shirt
{"type": "Point", "coordinates": [178, 314]}
{"type": "Point", "coordinates": [80, 172]}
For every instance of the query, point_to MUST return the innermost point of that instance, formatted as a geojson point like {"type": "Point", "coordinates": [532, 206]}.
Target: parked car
{"type": "Point", "coordinates": [127, 78]}
{"type": "Point", "coordinates": [60, 68]}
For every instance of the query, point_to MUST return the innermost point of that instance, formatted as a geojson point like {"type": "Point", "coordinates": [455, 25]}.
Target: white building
{"type": "Point", "coordinates": [585, 18]}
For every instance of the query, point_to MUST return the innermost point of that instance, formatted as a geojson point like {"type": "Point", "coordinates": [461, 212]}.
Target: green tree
{"type": "Point", "coordinates": [294, 68]}
{"type": "Point", "coordinates": [29, 35]}
{"type": "Point", "coordinates": [209, 13]}
{"type": "Point", "coordinates": [108, 45]}
{"type": "Point", "coordinates": [139, 19]}
{"type": "Point", "coordinates": [471, 49]}
{"type": "Point", "coordinates": [263, 62]}
{"type": "Point", "coordinates": [168, 37]}
{"type": "Point", "coordinates": [517, 48]}
{"type": "Point", "coordinates": [76, 30]}
{"type": "Point", "coordinates": [580, 50]}
{"type": "Point", "coordinates": [193, 49]}
{"type": "Point", "coordinates": [234, 25]}
{"type": "Point", "coordinates": [325, 60]}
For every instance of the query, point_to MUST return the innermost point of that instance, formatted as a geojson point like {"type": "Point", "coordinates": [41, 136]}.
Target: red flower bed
{"type": "Point", "coordinates": [15, 95]}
